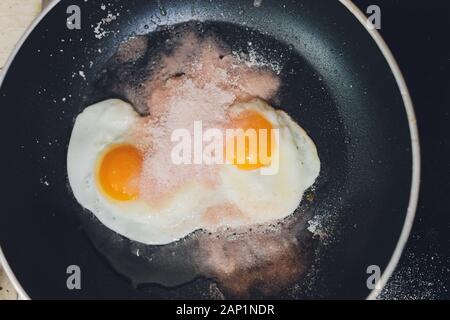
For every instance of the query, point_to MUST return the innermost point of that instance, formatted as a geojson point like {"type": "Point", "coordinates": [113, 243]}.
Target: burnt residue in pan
{"type": "Point", "coordinates": [143, 66]}
{"type": "Point", "coordinates": [258, 262]}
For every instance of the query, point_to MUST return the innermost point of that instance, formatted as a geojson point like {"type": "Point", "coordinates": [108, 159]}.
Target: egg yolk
{"type": "Point", "coordinates": [255, 156]}
{"type": "Point", "coordinates": [118, 172]}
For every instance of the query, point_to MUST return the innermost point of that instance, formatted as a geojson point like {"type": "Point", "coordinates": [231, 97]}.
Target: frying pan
{"type": "Point", "coordinates": [339, 81]}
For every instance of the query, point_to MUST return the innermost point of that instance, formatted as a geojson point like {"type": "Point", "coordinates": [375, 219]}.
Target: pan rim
{"type": "Point", "coordinates": [22, 295]}
{"type": "Point", "coordinates": [415, 147]}
{"type": "Point", "coordinates": [412, 122]}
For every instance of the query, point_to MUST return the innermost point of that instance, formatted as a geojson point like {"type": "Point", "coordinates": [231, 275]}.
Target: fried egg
{"type": "Point", "coordinates": [105, 161]}
{"type": "Point", "coordinates": [293, 157]}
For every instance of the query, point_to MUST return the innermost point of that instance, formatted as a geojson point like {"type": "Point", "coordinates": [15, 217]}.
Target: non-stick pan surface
{"type": "Point", "coordinates": [336, 83]}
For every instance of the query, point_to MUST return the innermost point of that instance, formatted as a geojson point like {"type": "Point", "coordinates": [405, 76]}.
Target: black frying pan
{"type": "Point", "coordinates": [337, 83]}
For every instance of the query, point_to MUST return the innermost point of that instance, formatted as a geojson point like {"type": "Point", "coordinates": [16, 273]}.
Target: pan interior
{"type": "Point", "coordinates": [302, 94]}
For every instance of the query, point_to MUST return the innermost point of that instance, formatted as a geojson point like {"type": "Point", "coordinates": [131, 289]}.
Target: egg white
{"type": "Point", "coordinates": [96, 128]}
{"type": "Point", "coordinates": [266, 198]}
{"type": "Point", "coordinates": [260, 198]}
